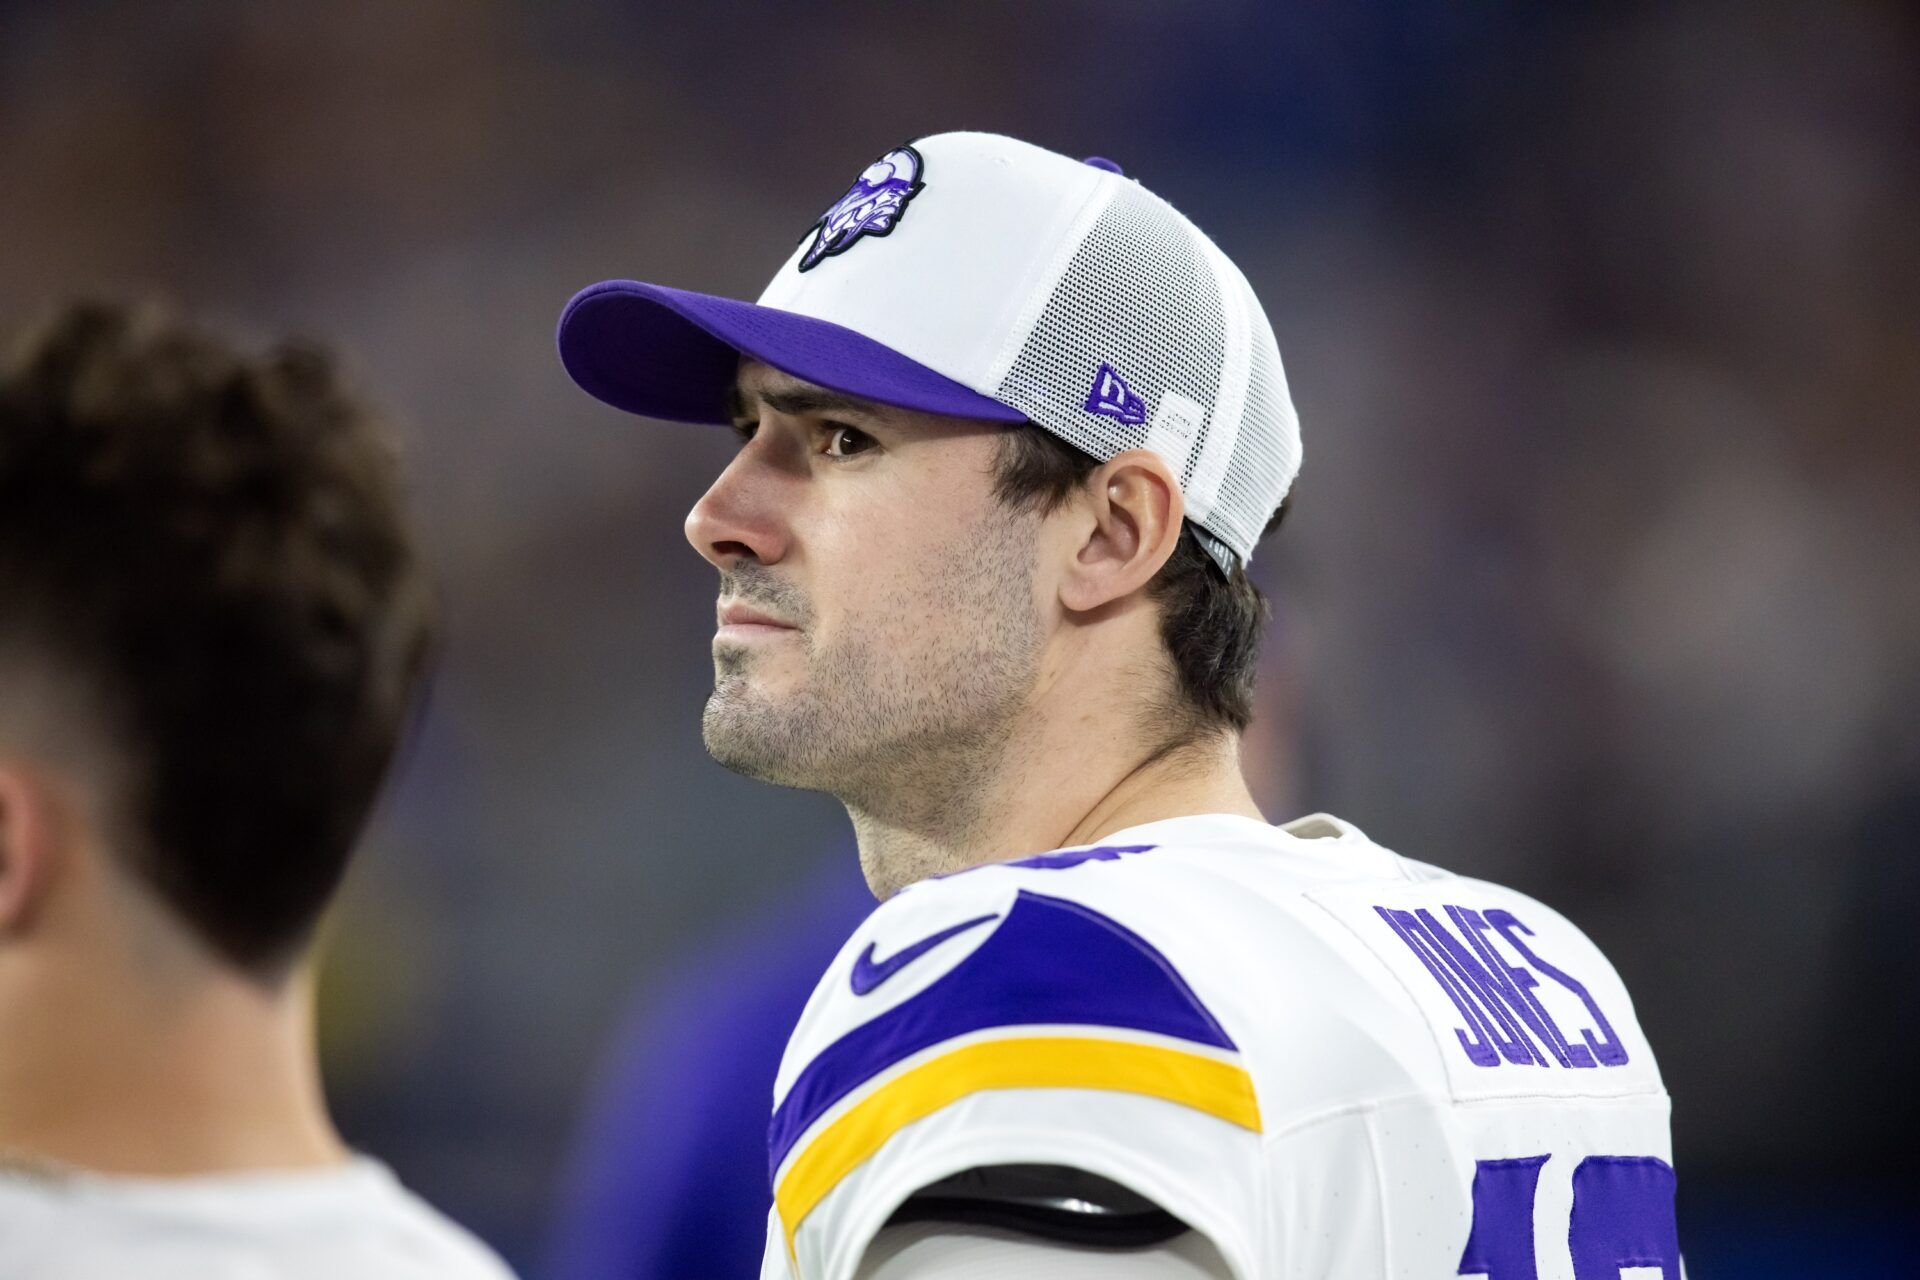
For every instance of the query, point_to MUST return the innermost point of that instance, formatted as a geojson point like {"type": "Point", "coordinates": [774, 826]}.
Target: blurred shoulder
{"type": "Point", "coordinates": [355, 1220]}
{"type": "Point", "coordinates": [425, 1241]}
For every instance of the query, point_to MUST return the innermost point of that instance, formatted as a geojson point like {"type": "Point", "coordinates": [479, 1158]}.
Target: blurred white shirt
{"type": "Point", "coordinates": [354, 1219]}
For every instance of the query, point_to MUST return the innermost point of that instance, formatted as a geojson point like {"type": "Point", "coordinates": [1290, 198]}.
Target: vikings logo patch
{"type": "Point", "coordinates": [871, 206]}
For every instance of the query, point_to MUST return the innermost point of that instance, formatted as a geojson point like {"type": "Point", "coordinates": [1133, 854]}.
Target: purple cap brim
{"type": "Point", "coordinates": [667, 353]}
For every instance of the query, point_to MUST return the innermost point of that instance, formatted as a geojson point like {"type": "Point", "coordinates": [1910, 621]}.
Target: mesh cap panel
{"type": "Point", "coordinates": [1266, 451]}
{"type": "Point", "coordinates": [1148, 297]}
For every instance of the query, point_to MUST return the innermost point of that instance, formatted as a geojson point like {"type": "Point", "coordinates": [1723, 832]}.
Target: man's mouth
{"type": "Point", "coordinates": [741, 622]}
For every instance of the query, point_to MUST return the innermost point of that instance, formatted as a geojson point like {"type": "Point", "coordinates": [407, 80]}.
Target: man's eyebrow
{"type": "Point", "coordinates": [798, 401]}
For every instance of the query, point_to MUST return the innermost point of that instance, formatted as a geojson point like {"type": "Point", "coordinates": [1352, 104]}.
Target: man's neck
{"type": "Point", "coordinates": [1072, 791]}
{"type": "Point", "coordinates": [1199, 777]}
{"type": "Point", "coordinates": [186, 1068]}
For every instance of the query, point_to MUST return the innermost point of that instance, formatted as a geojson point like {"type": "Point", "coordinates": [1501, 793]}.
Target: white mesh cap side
{"type": "Point", "coordinates": [1145, 295]}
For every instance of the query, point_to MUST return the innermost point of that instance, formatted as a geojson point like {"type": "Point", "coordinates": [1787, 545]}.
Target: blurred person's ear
{"type": "Point", "coordinates": [29, 825]}
{"type": "Point", "coordinates": [1123, 524]}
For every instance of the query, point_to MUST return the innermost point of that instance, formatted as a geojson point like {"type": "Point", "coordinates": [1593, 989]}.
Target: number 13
{"type": "Point", "coordinates": [1622, 1219]}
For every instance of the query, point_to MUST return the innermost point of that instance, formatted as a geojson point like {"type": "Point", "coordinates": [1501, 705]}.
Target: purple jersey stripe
{"type": "Point", "coordinates": [1059, 860]}
{"type": "Point", "coordinates": [1049, 962]}
{"type": "Point", "coordinates": [1074, 857]}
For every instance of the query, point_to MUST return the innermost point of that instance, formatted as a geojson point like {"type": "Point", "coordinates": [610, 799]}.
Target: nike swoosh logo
{"type": "Point", "coordinates": [867, 975]}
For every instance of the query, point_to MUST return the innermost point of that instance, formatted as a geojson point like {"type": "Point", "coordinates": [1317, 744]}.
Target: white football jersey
{"type": "Point", "coordinates": [324, 1224]}
{"type": "Point", "coordinates": [1330, 1060]}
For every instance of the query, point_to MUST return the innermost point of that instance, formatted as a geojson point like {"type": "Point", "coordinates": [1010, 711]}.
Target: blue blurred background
{"type": "Point", "coordinates": [1603, 579]}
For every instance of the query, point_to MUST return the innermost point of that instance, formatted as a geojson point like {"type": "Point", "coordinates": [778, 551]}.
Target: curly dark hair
{"type": "Point", "coordinates": [1210, 622]}
{"type": "Point", "coordinates": [212, 545]}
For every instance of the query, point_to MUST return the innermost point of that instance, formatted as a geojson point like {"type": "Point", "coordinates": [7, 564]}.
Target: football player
{"type": "Point", "coordinates": [1011, 428]}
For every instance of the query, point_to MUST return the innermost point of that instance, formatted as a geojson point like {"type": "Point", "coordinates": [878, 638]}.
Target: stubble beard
{"type": "Point", "coordinates": [911, 719]}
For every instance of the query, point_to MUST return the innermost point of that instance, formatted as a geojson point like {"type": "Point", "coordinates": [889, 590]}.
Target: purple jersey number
{"type": "Point", "coordinates": [1622, 1218]}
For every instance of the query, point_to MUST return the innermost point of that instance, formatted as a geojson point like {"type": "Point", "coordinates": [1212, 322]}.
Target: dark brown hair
{"type": "Point", "coordinates": [1210, 621]}
{"type": "Point", "coordinates": [212, 544]}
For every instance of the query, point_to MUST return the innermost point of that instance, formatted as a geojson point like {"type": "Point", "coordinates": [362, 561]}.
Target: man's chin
{"type": "Point", "coordinates": [743, 734]}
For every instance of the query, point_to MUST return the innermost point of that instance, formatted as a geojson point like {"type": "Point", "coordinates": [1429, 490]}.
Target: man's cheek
{"type": "Point", "coordinates": [879, 621]}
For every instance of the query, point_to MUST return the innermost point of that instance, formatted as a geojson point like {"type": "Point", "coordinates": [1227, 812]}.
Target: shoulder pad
{"type": "Point", "coordinates": [983, 983]}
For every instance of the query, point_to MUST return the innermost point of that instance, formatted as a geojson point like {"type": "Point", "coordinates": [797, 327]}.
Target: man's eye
{"type": "Point", "coordinates": [845, 442]}
{"type": "Point", "coordinates": [743, 431]}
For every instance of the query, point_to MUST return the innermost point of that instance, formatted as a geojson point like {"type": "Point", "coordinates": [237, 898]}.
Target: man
{"type": "Point", "coordinates": [1011, 428]}
{"type": "Point", "coordinates": [212, 625]}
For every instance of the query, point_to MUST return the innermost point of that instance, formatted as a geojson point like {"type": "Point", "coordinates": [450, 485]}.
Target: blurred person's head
{"type": "Point", "coordinates": [212, 626]}
{"type": "Point", "coordinates": [1011, 427]}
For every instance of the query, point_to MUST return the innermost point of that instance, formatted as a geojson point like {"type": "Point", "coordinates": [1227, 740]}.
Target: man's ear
{"type": "Point", "coordinates": [29, 825]}
{"type": "Point", "coordinates": [1132, 513]}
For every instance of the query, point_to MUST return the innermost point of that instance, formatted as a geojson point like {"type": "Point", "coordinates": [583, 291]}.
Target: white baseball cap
{"type": "Point", "coordinates": [981, 276]}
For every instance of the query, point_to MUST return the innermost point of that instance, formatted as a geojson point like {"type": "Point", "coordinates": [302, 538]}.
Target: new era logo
{"type": "Point", "coordinates": [1112, 396]}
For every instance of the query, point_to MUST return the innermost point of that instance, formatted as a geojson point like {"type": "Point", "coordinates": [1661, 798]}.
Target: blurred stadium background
{"type": "Point", "coordinates": [1604, 577]}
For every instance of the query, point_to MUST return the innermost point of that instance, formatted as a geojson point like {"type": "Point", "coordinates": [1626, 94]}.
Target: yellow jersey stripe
{"type": "Point", "coordinates": [1206, 1084]}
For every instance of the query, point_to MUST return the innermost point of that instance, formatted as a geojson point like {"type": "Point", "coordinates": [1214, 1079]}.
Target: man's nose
{"type": "Point", "coordinates": [742, 516]}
